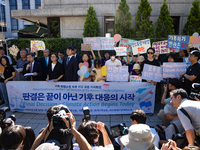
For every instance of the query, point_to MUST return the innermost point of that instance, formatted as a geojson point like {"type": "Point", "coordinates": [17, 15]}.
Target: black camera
{"type": "Point", "coordinates": [177, 136]}
{"type": "Point", "coordinates": [57, 118]}
{"type": "Point", "coordinates": [5, 122]}
{"type": "Point", "coordinates": [195, 91]}
{"type": "Point", "coordinates": [86, 112]}
{"type": "Point", "coordinates": [119, 130]}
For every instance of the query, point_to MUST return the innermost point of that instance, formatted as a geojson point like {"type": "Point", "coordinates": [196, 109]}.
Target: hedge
{"type": "Point", "coordinates": [56, 44]}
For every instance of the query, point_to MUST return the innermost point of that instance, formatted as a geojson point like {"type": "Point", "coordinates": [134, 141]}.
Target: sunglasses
{"type": "Point", "coordinates": [150, 53]}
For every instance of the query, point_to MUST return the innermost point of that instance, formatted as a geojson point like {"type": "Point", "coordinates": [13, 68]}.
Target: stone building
{"type": "Point", "coordinates": [70, 14]}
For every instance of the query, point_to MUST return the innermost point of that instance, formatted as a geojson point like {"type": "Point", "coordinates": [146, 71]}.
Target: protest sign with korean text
{"type": "Point", "coordinates": [173, 70]}
{"type": "Point", "coordinates": [86, 47]}
{"type": "Point", "coordinates": [13, 50]}
{"type": "Point", "coordinates": [101, 97]}
{"type": "Point", "coordinates": [126, 43]}
{"type": "Point", "coordinates": [140, 46]}
{"type": "Point", "coordinates": [151, 72]}
{"type": "Point", "coordinates": [134, 78]}
{"type": "Point", "coordinates": [161, 47]}
{"type": "Point", "coordinates": [178, 41]}
{"type": "Point", "coordinates": [120, 51]}
{"type": "Point", "coordinates": [107, 43]}
{"type": "Point", "coordinates": [95, 41]}
{"type": "Point", "coordinates": [37, 45]}
{"type": "Point", "coordinates": [119, 73]}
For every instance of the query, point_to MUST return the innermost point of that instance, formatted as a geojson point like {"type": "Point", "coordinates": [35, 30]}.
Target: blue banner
{"type": "Point", "coordinates": [101, 98]}
{"type": "Point", "coordinates": [178, 41]}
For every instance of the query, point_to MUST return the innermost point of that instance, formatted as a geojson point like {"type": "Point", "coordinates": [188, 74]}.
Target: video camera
{"type": "Point", "coordinates": [119, 130]}
{"type": "Point", "coordinates": [5, 122]}
{"type": "Point", "coordinates": [195, 91]}
{"type": "Point", "coordinates": [57, 118]}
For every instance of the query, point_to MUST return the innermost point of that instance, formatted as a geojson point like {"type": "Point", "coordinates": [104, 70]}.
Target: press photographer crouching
{"type": "Point", "coordinates": [169, 85]}
{"type": "Point", "coordinates": [59, 132]}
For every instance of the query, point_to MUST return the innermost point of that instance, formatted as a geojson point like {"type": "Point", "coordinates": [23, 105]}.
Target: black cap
{"type": "Point", "coordinates": [196, 53]}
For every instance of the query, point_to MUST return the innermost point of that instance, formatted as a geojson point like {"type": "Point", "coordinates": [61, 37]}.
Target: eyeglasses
{"type": "Point", "coordinates": [150, 53]}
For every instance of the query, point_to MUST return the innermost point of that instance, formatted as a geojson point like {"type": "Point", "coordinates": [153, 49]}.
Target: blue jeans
{"type": "Point", "coordinates": [3, 92]}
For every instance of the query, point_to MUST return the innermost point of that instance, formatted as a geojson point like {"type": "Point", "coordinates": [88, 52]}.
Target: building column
{"type": "Point", "coordinates": [19, 7]}
{"type": "Point", "coordinates": [32, 4]}
{"type": "Point", "coordinates": [8, 18]}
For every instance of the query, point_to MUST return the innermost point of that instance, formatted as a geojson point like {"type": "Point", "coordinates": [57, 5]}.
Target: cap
{"type": "Point", "coordinates": [136, 66]}
{"type": "Point", "coordinates": [196, 53]}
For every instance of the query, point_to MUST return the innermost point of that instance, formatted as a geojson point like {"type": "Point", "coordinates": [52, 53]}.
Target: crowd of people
{"type": "Point", "coordinates": [180, 116]}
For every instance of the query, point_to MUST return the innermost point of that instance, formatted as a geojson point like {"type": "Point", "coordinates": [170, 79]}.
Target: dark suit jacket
{"type": "Point", "coordinates": [42, 61]}
{"type": "Point", "coordinates": [57, 71]}
{"type": "Point", "coordinates": [78, 57]}
{"type": "Point", "coordinates": [36, 68]}
{"type": "Point", "coordinates": [70, 70]}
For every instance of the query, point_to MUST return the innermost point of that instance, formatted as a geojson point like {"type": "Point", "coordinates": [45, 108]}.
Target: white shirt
{"type": "Point", "coordinates": [115, 63]}
{"type": "Point", "coordinates": [53, 66]}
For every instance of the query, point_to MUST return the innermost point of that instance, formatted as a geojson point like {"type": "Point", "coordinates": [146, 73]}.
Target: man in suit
{"type": "Point", "coordinates": [70, 65]}
{"type": "Point", "coordinates": [45, 61]}
{"type": "Point", "coordinates": [78, 57]}
{"type": "Point", "coordinates": [32, 67]}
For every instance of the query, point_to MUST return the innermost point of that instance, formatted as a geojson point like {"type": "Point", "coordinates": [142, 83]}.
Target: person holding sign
{"type": "Point", "coordinates": [106, 57]}
{"type": "Point", "coordinates": [55, 70]}
{"type": "Point", "coordinates": [192, 74]}
{"type": "Point", "coordinates": [9, 74]}
{"type": "Point", "coordinates": [150, 60]}
{"type": "Point", "coordinates": [113, 61]}
{"type": "Point", "coordinates": [96, 72]}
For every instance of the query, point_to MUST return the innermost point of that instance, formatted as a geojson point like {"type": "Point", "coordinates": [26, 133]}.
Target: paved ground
{"type": "Point", "coordinates": [38, 121]}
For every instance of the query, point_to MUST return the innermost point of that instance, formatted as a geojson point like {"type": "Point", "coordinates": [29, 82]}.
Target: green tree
{"type": "Point", "coordinates": [144, 26]}
{"type": "Point", "coordinates": [164, 24]}
{"type": "Point", "coordinates": [91, 26]}
{"type": "Point", "coordinates": [193, 20]}
{"type": "Point", "coordinates": [123, 21]}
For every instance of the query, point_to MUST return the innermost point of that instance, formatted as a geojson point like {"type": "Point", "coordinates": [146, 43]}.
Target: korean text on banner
{"type": "Point", "coordinates": [173, 70]}
{"type": "Point", "coordinates": [151, 72]}
{"type": "Point", "coordinates": [117, 73]}
{"type": "Point", "coordinates": [102, 98]}
{"type": "Point", "coordinates": [126, 43]}
{"type": "Point", "coordinates": [161, 47]}
{"type": "Point", "coordinates": [140, 46]}
{"type": "Point", "coordinates": [95, 41]}
{"type": "Point", "coordinates": [178, 41]}
{"type": "Point", "coordinates": [107, 43]}
{"type": "Point", "coordinates": [120, 51]}
{"type": "Point", "coordinates": [37, 45]}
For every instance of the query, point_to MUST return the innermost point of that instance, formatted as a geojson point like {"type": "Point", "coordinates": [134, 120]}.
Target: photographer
{"type": "Point", "coordinates": [189, 113]}
{"type": "Point", "coordinates": [90, 130]}
{"type": "Point", "coordinates": [50, 133]}
{"type": "Point", "coordinates": [192, 74]}
{"type": "Point", "coordinates": [175, 126]}
{"type": "Point", "coordinates": [173, 84]}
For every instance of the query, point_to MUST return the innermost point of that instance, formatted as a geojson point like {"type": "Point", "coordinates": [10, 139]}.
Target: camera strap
{"type": "Point", "coordinates": [175, 127]}
{"type": "Point", "coordinates": [185, 113]}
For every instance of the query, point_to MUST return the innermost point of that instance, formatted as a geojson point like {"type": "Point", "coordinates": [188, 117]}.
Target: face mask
{"type": "Point", "coordinates": [112, 57]}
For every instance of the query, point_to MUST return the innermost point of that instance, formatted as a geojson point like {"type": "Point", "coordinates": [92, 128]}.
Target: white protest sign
{"type": "Point", "coordinates": [140, 46]}
{"type": "Point", "coordinates": [120, 51]}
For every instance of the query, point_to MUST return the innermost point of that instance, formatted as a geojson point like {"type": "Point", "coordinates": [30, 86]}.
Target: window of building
{"type": "Point", "coordinates": [3, 26]}
{"type": "Point", "coordinates": [25, 4]}
{"type": "Point", "coordinates": [176, 21]}
{"type": "Point", "coordinates": [109, 22]}
{"type": "Point", "coordinates": [14, 22]}
{"type": "Point", "coordinates": [37, 4]}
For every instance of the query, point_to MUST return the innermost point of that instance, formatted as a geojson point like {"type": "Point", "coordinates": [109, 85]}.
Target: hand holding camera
{"type": "Point", "coordinates": [71, 120]}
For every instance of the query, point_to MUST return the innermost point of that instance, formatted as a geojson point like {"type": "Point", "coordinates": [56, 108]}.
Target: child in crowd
{"type": "Point", "coordinates": [106, 57]}
{"type": "Point", "coordinates": [96, 72]}
{"type": "Point", "coordinates": [86, 58]}
{"type": "Point", "coordinates": [136, 70]}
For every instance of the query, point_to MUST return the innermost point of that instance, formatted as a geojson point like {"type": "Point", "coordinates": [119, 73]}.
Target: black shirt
{"type": "Point", "coordinates": [193, 70]}
{"type": "Point", "coordinates": [7, 73]}
{"type": "Point", "coordinates": [146, 61]}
